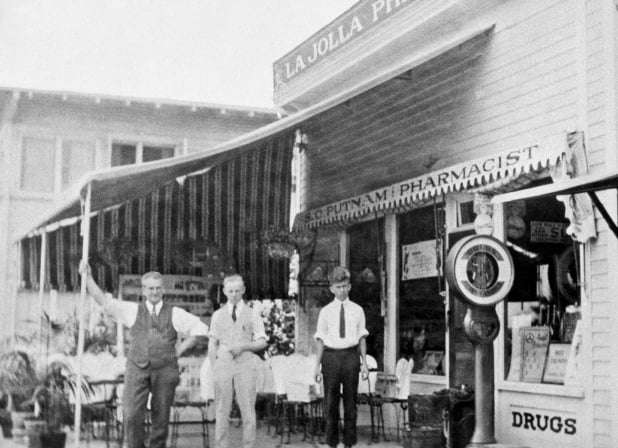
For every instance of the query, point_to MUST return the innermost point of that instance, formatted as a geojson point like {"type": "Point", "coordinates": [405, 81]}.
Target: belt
{"type": "Point", "coordinates": [347, 349]}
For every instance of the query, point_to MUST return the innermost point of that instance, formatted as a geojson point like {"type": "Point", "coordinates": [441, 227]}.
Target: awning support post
{"type": "Point", "coordinates": [599, 205]}
{"type": "Point", "coordinates": [42, 270]}
{"type": "Point", "coordinates": [82, 299]}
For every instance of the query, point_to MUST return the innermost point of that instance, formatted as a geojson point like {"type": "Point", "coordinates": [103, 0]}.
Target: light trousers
{"type": "Point", "coordinates": [239, 377]}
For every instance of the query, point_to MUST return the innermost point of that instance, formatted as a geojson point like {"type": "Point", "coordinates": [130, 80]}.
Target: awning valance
{"type": "Point", "coordinates": [495, 168]}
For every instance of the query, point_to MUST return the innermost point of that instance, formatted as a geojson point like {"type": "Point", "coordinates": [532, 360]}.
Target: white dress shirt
{"type": "Point", "coordinates": [258, 323]}
{"type": "Point", "coordinates": [328, 324]}
{"type": "Point", "coordinates": [183, 321]}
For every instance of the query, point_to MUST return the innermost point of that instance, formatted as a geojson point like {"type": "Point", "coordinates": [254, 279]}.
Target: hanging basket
{"type": "Point", "coordinates": [280, 251]}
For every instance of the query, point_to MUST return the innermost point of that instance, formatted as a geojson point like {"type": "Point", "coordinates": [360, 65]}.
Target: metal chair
{"type": "Point", "coordinates": [392, 390]}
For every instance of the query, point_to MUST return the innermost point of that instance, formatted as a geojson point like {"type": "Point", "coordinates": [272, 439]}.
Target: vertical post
{"type": "Point", "coordinates": [119, 332]}
{"type": "Point", "coordinates": [82, 299]}
{"type": "Point", "coordinates": [391, 329]}
{"type": "Point", "coordinates": [42, 270]}
{"type": "Point", "coordinates": [482, 326]}
{"type": "Point", "coordinates": [13, 293]}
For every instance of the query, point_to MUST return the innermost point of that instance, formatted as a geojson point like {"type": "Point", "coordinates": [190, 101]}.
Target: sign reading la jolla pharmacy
{"type": "Point", "coordinates": [469, 174]}
{"type": "Point", "coordinates": [344, 29]}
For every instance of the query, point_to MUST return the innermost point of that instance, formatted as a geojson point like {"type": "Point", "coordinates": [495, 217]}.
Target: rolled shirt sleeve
{"type": "Point", "coordinates": [187, 323]}
{"type": "Point", "coordinates": [258, 326]}
{"type": "Point", "coordinates": [362, 326]}
{"type": "Point", "coordinates": [123, 311]}
{"type": "Point", "coordinates": [322, 327]}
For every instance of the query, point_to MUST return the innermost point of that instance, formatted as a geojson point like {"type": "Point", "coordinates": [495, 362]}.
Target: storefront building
{"type": "Point", "coordinates": [422, 112]}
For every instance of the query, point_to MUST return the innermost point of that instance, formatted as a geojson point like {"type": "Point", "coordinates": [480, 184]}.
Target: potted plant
{"type": "Point", "coordinates": [38, 387]}
{"type": "Point", "coordinates": [51, 398]}
{"type": "Point", "coordinates": [18, 380]}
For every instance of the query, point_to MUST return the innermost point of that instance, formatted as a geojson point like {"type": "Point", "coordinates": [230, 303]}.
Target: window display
{"type": "Point", "coordinates": [543, 307]}
{"type": "Point", "coordinates": [367, 269]}
{"type": "Point", "coordinates": [422, 326]}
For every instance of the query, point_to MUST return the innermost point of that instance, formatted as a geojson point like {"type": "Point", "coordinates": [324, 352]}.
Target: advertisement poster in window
{"type": "Point", "coordinates": [419, 260]}
{"type": "Point", "coordinates": [555, 367]}
{"type": "Point", "coordinates": [535, 341]}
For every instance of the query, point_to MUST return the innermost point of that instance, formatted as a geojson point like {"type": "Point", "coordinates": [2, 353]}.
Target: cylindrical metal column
{"type": "Point", "coordinates": [484, 395]}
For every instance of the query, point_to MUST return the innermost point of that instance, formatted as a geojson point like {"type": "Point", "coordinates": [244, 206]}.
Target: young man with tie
{"type": "Point", "coordinates": [236, 333]}
{"type": "Point", "coordinates": [340, 338]}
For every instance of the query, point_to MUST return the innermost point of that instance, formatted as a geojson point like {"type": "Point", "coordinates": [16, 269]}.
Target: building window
{"type": "Point", "coordinates": [422, 325]}
{"type": "Point", "coordinates": [38, 165]}
{"type": "Point", "coordinates": [152, 153]}
{"type": "Point", "coordinates": [366, 247]}
{"type": "Point", "coordinates": [78, 157]}
{"type": "Point", "coordinates": [543, 307]}
{"type": "Point", "coordinates": [132, 153]}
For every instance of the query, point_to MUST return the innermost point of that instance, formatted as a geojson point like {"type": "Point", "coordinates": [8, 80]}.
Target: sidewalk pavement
{"type": "Point", "coordinates": [190, 437]}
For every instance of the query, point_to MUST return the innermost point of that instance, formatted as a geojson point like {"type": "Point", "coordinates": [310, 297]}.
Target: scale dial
{"type": "Point", "coordinates": [480, 269]}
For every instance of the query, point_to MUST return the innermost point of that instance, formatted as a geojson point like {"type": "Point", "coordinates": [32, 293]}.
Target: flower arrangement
{"type": "Point", "coordinates": [279, 317]}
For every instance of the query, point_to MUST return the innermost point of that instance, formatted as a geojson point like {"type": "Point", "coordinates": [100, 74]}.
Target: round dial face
{"type": "Point", "coordinates": [480, 269]}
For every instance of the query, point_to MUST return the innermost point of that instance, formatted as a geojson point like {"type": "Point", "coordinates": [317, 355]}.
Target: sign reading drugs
{"type": "Point", "coordinates": [455, 178]}
{"type": "Point", "coordinates": [340, 32]}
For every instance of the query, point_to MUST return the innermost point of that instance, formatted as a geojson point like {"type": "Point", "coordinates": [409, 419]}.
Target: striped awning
{"type": "Point", "coordinates": [493, 172]}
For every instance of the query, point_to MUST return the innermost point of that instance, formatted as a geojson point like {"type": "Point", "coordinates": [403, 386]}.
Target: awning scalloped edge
{"type": "Point", "coordinates": [421, 189]}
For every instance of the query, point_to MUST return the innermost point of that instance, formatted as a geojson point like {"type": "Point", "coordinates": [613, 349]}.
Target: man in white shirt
{"type": "Point", "coordinates": [340, 338]}
{"type": "Point", "coordinates": [236, 333]}
{"type": "Point", "coordinates": [152, 364]}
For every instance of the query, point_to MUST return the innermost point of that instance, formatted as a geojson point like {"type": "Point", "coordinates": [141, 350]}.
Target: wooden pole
{"type": "Point", "coordinates": [43, 268]}
{"type": "Point", "coordinates": [85, 228]}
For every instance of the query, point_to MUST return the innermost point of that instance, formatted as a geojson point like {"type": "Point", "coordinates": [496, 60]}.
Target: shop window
{"type": "Point", "coordinates": [465, 213]}
{"type": "Point", "coordinates": [422, 327]}
{"type": "Point", "coordinates": [543, 307]}
{"type": "Point", "coordinates": [38, 165]}
{"type": "Point", "coordinates": [366, 265]}
{"type": "Point", "coordinates": [78, 157]}
{"type": "Point", "coordinates": [132, 153]}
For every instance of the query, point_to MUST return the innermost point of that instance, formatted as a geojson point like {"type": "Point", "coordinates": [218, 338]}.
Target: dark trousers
{"type": "Point", "coordinates": [161, 382]}
{"type": "Point", "coordinates": [340, 372]}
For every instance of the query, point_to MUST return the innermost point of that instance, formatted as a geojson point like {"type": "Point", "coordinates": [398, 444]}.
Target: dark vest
{"type": "Point", "coordinates": [153, 341]}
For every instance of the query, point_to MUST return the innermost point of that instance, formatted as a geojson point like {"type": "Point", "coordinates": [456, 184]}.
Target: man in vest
{"type": "Point", "coordinates": [236, 333]}
{"type": "Point", "coordinates": [152, 365]}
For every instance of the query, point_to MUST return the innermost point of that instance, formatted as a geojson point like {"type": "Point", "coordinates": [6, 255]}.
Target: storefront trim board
{"type": "Point", "coordinates": [534, 418]}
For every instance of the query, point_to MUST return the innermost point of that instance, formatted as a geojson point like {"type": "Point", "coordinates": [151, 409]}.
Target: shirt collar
{"type": "Point", "coordinates": [156, 307]}
{"type": "Point", "coordinates": [239, 307]}
{"type": "Point", "coordinates": [345, 302]}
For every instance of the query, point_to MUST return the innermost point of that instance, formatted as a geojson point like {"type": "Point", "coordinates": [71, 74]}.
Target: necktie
{"type": "Point", "coordinates": [154, 313]}
{"type": "Point", "coordinates": [234, 313]}
{"type": "Point", "coordinates": [341, 323]}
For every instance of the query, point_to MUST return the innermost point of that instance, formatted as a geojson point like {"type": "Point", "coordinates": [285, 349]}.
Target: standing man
{"type": "Point", "coordinates": [340, 338]}
{"type": "Point", "coordinates": [152, 365]}
{"type": "Point", "coordinates": [236, 333]}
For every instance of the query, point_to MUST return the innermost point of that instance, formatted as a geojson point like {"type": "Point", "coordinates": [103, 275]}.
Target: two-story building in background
{"type": "Point", "coordinates": [49, 140]}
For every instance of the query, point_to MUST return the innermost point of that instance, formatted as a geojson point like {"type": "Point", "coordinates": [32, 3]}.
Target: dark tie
{"type": "Point", "coordinates": [234, 313]}
{"type": "Point", "coordinates": [154, 314]}
{"type": "Point", "coordinates": [341, 323]}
